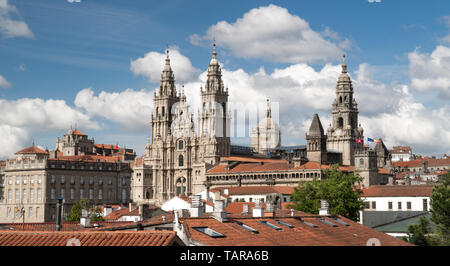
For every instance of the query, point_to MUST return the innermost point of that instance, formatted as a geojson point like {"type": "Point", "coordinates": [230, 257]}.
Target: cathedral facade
{"type": "Point", "coordinates": [177, 156]}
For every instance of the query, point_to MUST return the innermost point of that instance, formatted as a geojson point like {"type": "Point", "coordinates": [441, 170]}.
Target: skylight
{"type": "Point", "coordinates": [247, 227]}
{"type": "Point", "coordinates": [208, 231]}
{"type": "Point", "coordinates": [326, 222]}
{"type": "Point", "coordinates": [266, 223]}
{"type": "Point", "coordinates": [310, 224]}
{"type": "Point", "coordinates": [339, 221]}
{"type": "Point", "coordinates": [285, 224]}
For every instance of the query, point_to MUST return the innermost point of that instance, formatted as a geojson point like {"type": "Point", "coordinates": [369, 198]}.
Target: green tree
{"type": "Point", "coordinates": [96, 214]}
{"type": "Point", "coordinates": [440, 210]}
{"type": "Point", "coordinates": [84, 204]}
{"type": "Point", "coordinates": [75, 212]}
{"type": "Point", "coordinates": [337, 188]}
{"type": "Point", "coordinates": [419, 234]}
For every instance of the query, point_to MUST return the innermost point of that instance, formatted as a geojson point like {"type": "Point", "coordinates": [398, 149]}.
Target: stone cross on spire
{"type": "Point", "coordinates": [344, 64]}
{"type": "Point", "coordinates": [268, 109]}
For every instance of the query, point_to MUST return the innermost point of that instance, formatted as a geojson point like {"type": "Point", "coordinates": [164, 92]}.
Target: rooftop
{"type": "Point", "coordinates": [300, 230]}
{"type": "Point", "coordinates": [398, 191]}
{"type": "Point", "coordinates": [115, 238]}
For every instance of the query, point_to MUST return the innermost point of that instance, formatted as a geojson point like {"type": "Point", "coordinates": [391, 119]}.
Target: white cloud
{"type": "Point", "coordinates": [42, 114]}
{"type": "Point", "coordinates": [426, 130]}
{"type": "Point", "coordinates": [23, 117]}
{"type": "Point", "coordinates": [151, 65]}
{"type": "Point", "coordinates": [374, 1]}
{"type": "Point", "coordinates": [12, 138]}
{"type": "Point", "coordinates": [272, 33]}
{"type": "Point", "coordinates": [9, 26]}
{"type": "Point", "coordinates": [128, 108]}
{"type": "Point", "coordinates": [4, 83]}
{"type": "Point", "coordinates": [431, 72]}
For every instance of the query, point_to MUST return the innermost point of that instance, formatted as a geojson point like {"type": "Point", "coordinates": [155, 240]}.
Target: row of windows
{"type": "Point", "coordinates": [62, 180]}
{"type": "Point", "coordinates": [373, 205]}
{"type": "Point", "coordinates": [91, 167]}
{"type": "Point", "coordinates": [29, 214]}
{"type": "Point", "coordinates": [293, 175]}
{"type": "Point", "coordinates": [24, 195]}
{"type": "Point", "coordinates": [24, 179]}
{"type": "Point", "coordinates": [82, 194]}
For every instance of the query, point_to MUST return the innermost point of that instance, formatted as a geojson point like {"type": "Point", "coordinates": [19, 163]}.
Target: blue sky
{"type": "Point", "coordinates": [79, 63]}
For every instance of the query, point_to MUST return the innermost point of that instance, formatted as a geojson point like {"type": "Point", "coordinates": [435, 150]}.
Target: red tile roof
{"type": "Point", "coordinates": [32, 150]}
{"type": "Point", "coordinates": [117, 214]}
{"type": "Point", "coordinates": [251, 159]}
{"type": "Point", "coordinates": [419, 162]}
{"type": "Point", "coordinates": [300, 235]}
{"type": "Point", "coordinates": [76, 132]}
{"type": "Point", "coordinates": [106, 146]}
{"type": "Point", "coordinates": [255, 190]}
{"type": "Point", "coordinates": [383, 171]}
{"type": "Point", "coordinates": [238, 207]}
{"type": "Point", "coordinates": [398, 191]}
{"type": "Point", "coordinates": [87, 158]}
{"type": "Point", "coordinates": [250, 167]}
{"type": "Point", "coordinates": [316, 165]}
{"type": "Point", "coordinates": [115, 238]}
{"type": "Point", "coordinates": [66, 226]}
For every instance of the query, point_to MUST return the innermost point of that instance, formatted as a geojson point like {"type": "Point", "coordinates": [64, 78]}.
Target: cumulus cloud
{"type": "Point", "coordinates": [272, 33]}
{"type": "Point", "coordinates": [128, 108]}
{"type": "Point", "coordinates": [151, 65]}
{"type": "Point", "coordinates": [23, 117]}
{"type": "Point", "coordinates": [431, 71]}
{"type": "Point", "coordinates": [12, 138]}
{"type": "Point", "coordinates": [4, 83]}
{"type": "Point", "coordinates": [427, 130]}
{"type": "Point", "coordinates": [9, 26]}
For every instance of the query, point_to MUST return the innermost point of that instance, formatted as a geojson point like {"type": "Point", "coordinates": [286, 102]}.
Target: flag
{"type": "Point", "coordinates": [370, 140]}
{"type": "Point", "coordinates": [359, 141]}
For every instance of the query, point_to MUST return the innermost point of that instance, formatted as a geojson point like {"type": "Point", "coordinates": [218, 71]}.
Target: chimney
{"type": "Point", "coordinates": [258, 210]}
{"type": "Point", "coordinates": [107, 210]}
{"type": "Point", "coordinates": [270, 210]}
{"type": "Point", "coordinates": [324, 208]}
{"type": "Point", "coordinates": [85, 220]}
{"type": "Point", "coordinates": [130, 207]}
{"type": "Point", "coordinates": [292, 212]}
{"type": "Point", "coordinates": [59, 204]}
{"type": "Point", "coordinates": [141, 211]}
{"type": "Point", "coordinates": [196, 207]}
{"type": "Point", "coordinates": [246, 208]}
{"type": "Point", "coordinates": [183, 213]}
{"type": "Point", "coordinates": [219, 211]}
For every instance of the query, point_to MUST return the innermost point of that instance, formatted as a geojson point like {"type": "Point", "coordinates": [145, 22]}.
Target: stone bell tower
{"type": "Point", "coordinates": [213, 118]}
{"type": "Point", "coordinates": [343, 133]}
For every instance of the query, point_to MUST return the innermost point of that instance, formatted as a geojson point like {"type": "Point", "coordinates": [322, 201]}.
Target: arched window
{"type": "Point", "coordinates": [180, 145]}
{"type": "Point", "coordinates": [340, 122]}
{"type": "Point", "coordinates": [163, 110]}
{"type": "Point", "coordinates": [180, 160]}
{"type": "Point", "coordinates": [361, 162]}
{"type": "Point", "coordinates": [181, 186]}
{"type": "Point", "coordinates": [340, 99]}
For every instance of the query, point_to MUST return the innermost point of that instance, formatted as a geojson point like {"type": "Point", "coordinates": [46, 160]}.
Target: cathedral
{"type": "Point", "coordinates": [180, 160]}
